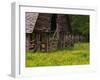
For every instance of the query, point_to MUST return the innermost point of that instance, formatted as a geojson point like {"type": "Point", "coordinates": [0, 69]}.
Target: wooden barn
{"type": "Point", "coordinates": [47, 32]}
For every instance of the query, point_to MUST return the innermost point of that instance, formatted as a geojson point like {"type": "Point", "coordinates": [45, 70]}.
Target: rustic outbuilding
{"type": "Point", "coordinates": [47, 32]}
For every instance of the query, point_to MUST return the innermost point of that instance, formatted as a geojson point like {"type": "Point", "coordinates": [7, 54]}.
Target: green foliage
{"type": "Point", "coordinates": [80, 25]}
{"type": "Point", "coordinates": [79, 54]}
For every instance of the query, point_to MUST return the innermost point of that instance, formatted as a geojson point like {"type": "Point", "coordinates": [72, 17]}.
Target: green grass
{"type": "Point", "coordinates": [79, 54]}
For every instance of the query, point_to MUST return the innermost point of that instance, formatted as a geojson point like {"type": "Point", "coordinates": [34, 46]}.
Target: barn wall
{"type": "Point", "coordinates": [62, 22]}
{"type": "Point", "coordinates": [28, 39]}
{"type": "Point", "coordinates": [44, 34]}
{"type": "Point", "coordinates": [43, 22]}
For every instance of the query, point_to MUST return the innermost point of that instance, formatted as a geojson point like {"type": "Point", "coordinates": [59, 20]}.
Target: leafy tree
{"type": "Point", "coordinates": [80, 25]}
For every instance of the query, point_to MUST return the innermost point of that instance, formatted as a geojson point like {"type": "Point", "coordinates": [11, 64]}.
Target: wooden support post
{"type": "Point", "coordinates": [47, 35]}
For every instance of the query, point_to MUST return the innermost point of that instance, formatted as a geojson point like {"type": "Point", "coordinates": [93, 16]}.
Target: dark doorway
{"type": "Point", "coordinates": [53, 22]}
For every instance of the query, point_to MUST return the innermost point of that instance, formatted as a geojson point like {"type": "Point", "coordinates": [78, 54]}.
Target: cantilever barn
{"type": "Point", "coordinates": [47, 32]}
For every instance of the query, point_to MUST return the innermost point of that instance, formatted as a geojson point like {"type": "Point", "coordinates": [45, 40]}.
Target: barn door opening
{"type": "Point", "coordinates": [53, 22]}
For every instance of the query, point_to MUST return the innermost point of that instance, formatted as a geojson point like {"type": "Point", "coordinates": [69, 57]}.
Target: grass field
{"type": "Point", "coordinates": [79, 54]}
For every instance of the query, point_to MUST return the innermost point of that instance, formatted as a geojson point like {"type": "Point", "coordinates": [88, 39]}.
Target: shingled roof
{"type": "Point", "coordinates": [41, 22]}
{"type": "Point", "coordinates": [31, 19]}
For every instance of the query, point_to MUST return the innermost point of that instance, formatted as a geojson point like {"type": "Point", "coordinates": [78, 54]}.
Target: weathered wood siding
{"type": "Point", "coordinates": [28, 39]}
{"type": "Point", "coordinates": [62, 22]}
{"type": "Point", "coordinates": [43, 22]}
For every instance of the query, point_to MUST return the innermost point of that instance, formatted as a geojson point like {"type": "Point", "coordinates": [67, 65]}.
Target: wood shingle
{"type": "Point", "coordinates": [31, 19]}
